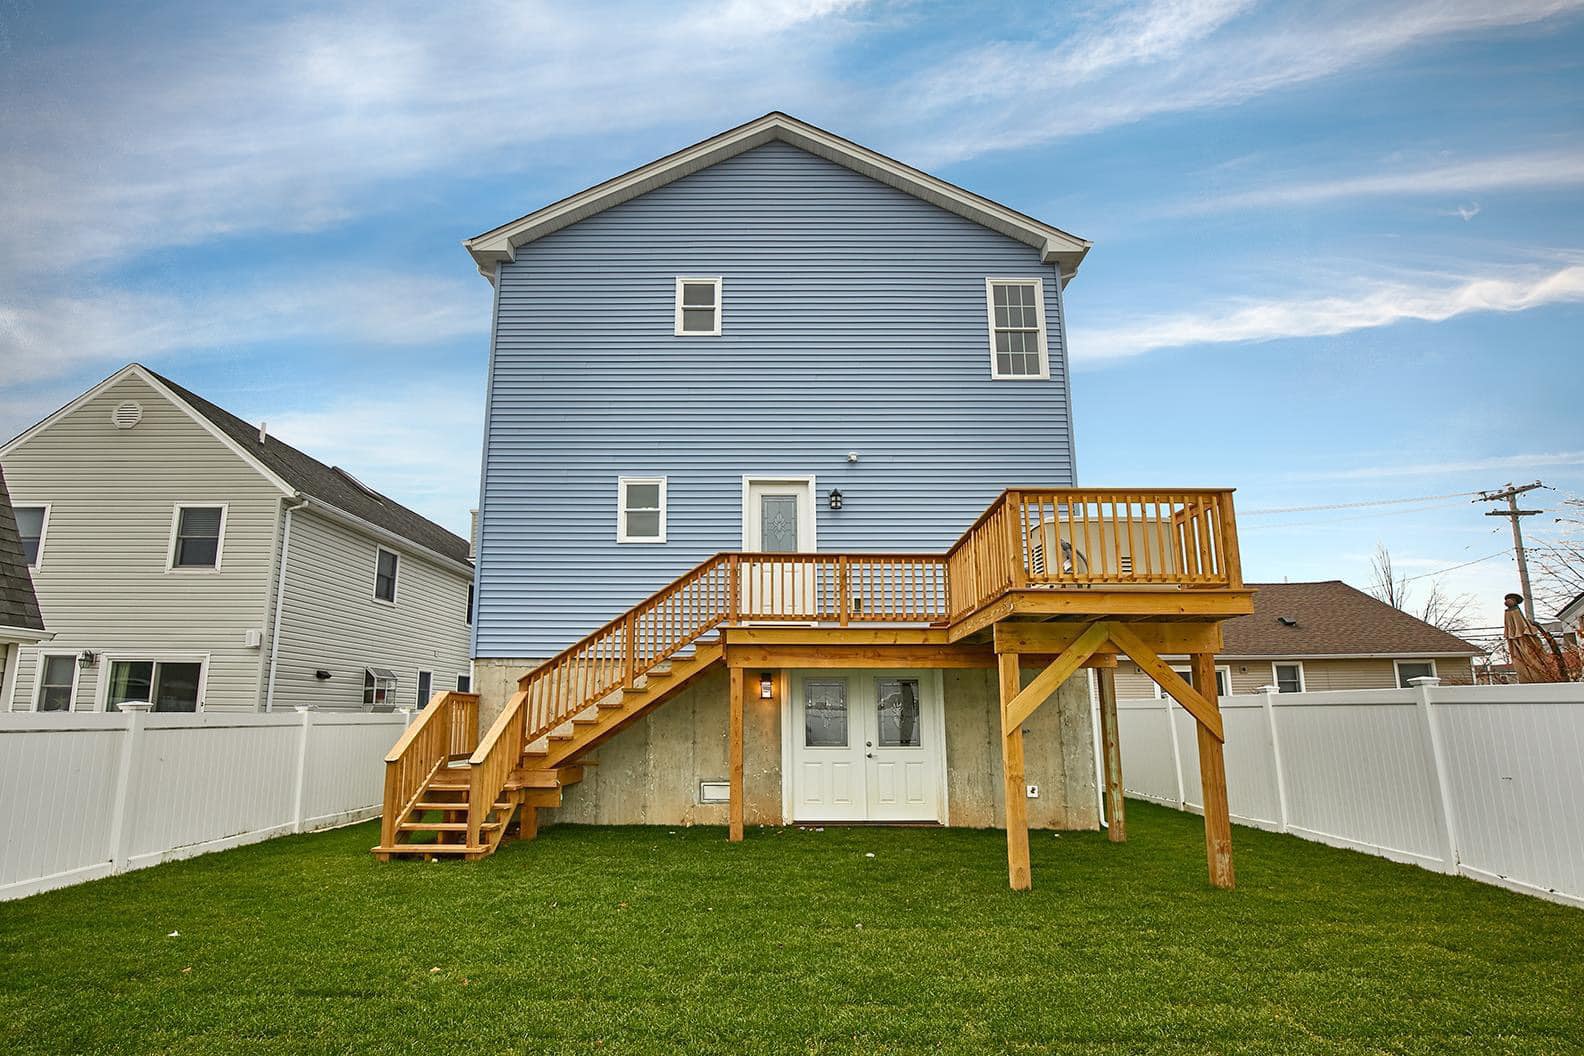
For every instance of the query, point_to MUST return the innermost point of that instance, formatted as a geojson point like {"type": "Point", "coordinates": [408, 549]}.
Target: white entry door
{"type": "Point", "coordinates": [866, 746]}
{"type": "Point", "coordinates": [778, 518]}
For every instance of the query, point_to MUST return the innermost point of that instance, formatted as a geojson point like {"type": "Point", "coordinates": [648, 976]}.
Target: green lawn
{"type": "Point", "coordinates": [651, 940]}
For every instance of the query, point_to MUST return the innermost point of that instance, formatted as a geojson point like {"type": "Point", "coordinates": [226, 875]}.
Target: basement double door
{"type": "Point", "coordinates": [866, 746]}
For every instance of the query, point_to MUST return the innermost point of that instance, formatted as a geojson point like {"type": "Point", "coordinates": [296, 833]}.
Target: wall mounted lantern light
{"type": "Point", "coordinates": [766, 686]}
{"type": "Point", "coordinates": [86, 658]}
{"type": "Point", "coordinates": [835, 499]}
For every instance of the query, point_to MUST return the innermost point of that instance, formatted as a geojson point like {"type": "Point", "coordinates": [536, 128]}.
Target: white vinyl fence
{"type": "Point", "coordinates": [84, 796]}
{"type": "Point", "coordinates": [1482, 781]}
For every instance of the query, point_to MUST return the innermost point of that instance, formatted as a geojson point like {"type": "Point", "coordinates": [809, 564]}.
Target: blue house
{"type": "Point", "coordinates": [753, 413]}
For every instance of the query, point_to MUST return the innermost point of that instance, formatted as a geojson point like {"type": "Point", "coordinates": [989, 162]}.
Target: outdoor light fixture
{"type": "Point", "coordinates": [835, 499]}
{"type": "Point", "coordinates": [86, 658]}
{"type": "Point", "coordinates": [766, 686]}
{"type": "Point", "coordinates": [852, 456]}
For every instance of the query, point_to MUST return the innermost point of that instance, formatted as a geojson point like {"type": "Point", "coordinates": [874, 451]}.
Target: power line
{"type": "Point", "coordinates": [1355, 505]}
{"type": "Point", "coordinates": [1454, 568]}
{"type": "Point", "coordinates": [1509, 494]}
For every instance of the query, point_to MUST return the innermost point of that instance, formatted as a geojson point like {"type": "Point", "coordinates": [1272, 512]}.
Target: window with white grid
{"type": "Point", "coordinates": [1016, 310]}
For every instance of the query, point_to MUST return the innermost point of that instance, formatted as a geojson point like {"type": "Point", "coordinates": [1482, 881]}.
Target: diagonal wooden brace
{"type": "Point", "coordinates": [1017, 710]}
{"type": "Point", "coordinates": [1206, 712]}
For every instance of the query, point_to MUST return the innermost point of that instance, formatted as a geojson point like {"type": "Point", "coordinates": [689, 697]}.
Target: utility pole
{"type": "Point", "coordinates": [1510, 495]}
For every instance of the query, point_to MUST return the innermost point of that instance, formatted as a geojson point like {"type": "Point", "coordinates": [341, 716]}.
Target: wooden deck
{"type": "Point", "coordinates": [1055, 578]}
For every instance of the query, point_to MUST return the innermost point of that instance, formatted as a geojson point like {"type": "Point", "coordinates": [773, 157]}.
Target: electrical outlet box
{"type": "Point", "coordinates": [1033, 791]}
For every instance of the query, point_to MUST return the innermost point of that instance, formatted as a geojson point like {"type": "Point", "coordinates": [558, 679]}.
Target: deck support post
{"type": "Point", "coordinates": [1212, 777]}
{"type": "Point", "coordinates": [735, 739]}
{"type": "Point", "coordinates": [1111, 748]}
{"type": "Point", "coordinates": [1012, 772]}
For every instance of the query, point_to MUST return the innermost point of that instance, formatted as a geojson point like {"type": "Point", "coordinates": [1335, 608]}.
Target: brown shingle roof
{"type": "Point", "coordinates": [1332, 619]}
{"type": "Point", "coordinates": [18, 605]}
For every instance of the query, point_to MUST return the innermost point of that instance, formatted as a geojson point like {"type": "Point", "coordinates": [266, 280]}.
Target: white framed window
{"type": "Point", "coordinates": [385, 567]}
{"type": "Point", "coordinates": [469, 615]}
{"type": "Point", "coordinates": [171, 682]}
{"type": "Point", "coordinates": [464, 683]}
{"type": "Point", "coordinates": [640, 509]}
{"type": "Point", "coordinates": [698, 306]}
{"type": "Point", "coordinates": [1223, 680]}
{"type": "Point", "coordinates": [1409, 669]}
{"type": "Point", "coordinates": [1015, 309]}
{"type": "Point", "coordinates": [379, 687]}
{"type": "Point", "coordinates": [1288, 676]}
{"type": "Point", "coordinates": [425, 688]}
{"type": "Point", "coordinates": [197, 537]}
{"type": "Point", "coordinates": [32, 525]}
{"type": "Point", "coordinates": [56, 682]}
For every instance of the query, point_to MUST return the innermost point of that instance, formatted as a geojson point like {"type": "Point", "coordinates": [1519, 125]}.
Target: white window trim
{"type": "Point", "coordinates": [423, 701]}
{"type": "Point", "coordinates": [38, 678]}
{"type": "Point", "coordinates": [1397, 668]}
{"type": "Point", "coordinates": [107, 659]}
{"type": "Point", "coordinates": [621, 510]}
{"type": "Point", "coordinates": [720, 307]}
{"type": "Point", "coordinates": [469, 676]}
{"type": "Point", "coordinates": [1303, 677]}
{"type": "Point", "coordinates": [1185, 671]}
{"type": "Point", "coordinates": [38, 562]}
{"type": "Point", "coordinates": [1039, 315]}
{"type": "Point", "coordinates": [395, 580]}
{"type": "Point", "coordinates": [170, 550]}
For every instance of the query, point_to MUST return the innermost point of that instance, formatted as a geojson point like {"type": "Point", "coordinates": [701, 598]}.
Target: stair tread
{"type": "Point", "coordinates": [443, 826]}
{"type": "Point", "coordinates": [426, 848]}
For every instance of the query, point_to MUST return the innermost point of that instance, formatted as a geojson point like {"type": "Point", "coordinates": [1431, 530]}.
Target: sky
{"type": "Point", "coordinates": [1339, 248]}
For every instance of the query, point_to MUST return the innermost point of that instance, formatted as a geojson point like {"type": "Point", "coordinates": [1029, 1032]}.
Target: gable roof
{"type": "Point", "coordinates": [1573, 610]}
{"type": "Point", "coordinates": [19, 607]}
{"type": "Point", "coordinates": [1332, 619]}
{"type": "Point", "coordinates": [500, 244]}
{"type": "Point", "coordinates": [290, 470]}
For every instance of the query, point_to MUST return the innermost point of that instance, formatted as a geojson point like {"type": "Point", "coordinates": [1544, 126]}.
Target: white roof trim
{"type": "Point", "coordinates": [138, 371]}
{"type": "Point", "coordinates": [23, 635]}
{"type": "Point", "coordinates": [388, 538]}
{"type": "Point", "coordinates": [1055, 245]}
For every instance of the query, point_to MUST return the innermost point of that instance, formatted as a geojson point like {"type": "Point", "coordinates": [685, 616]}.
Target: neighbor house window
{"type": "Point", "coordinates": [1411, 669]}
{"type": "Point", "coordinates": [1223, 680]}
{"type": "Point", "coordinates": [698, 307]}
{"type": "Point", "coordinates": [1289, 677]}
{"type": "Point", "coordinates": [469, 616]}
{"type": "Point", "coordinates": [385, 576]}
{"type": "Point", "coordinates": [196, 532]}
{"type": "Point", "coordinates": [378, 685]}
{"type": "Point", "coordinates": [57, 682]}
{"type": "Point", "coordinates": [1016, 309]}
{"type": "Point", "coordinates": [464, 683]}
{"type": "Point", "coordinates": [641, 509]}
{"type": "Point", "coordinates": [169, 685]}
{"type": "Point", "coordinates": [31, 521]}
{"type": "Point", "coordinates": [425, 682]}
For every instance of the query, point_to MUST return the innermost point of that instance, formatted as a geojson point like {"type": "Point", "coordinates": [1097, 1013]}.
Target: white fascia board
{"type": "Point", "coordinates": [23, 636]}
{"type": "Point", "coordinates": [385, 536]}
{"type": "Point", "coordinates": [1056, 247]}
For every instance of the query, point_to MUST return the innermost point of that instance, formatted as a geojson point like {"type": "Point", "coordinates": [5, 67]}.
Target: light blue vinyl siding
{"type": "Point", "coordinates": [853, 320]}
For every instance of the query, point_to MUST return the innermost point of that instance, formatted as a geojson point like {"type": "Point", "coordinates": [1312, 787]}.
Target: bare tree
{"type": "Point", "coordinates": [1450, 612]}
{"type": "Point", "coordinates": [1557, 571]}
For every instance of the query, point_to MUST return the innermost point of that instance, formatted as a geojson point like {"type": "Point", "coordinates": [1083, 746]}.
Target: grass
{"type": "Point", "coordinates": [628, 940]}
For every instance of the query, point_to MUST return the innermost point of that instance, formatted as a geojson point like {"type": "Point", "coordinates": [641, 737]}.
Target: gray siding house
{"type": "Point", "coordinates": [775, 340]}
{"type": "Point", "coordinates": [183, 556]}
{"type": "Point", "coordinates": [21, 623]}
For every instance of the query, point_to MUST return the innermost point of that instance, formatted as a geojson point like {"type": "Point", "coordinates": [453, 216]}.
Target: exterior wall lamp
{"type": "Point", "coordinates": [835, 499]}
{"type": "Point", "coordinates": [766, 686]}
{"type": "Point", "coordinates": [86, 658]}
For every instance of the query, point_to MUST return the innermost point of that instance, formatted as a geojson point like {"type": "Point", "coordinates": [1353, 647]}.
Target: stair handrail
{"type": "Point", "coordinates": [430, 741]}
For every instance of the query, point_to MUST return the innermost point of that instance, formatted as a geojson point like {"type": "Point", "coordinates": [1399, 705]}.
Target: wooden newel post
{"type": "Point", "coordinates": [1012, 773]}
{"type": "Point", "coordinates": [1212, 778]}
{"type": "Point", "coordinates": [1111, 749]}
{"type": "Point", "coordinates": [735, 739]}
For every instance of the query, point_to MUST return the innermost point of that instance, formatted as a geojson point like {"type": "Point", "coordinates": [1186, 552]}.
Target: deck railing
{"type": "Point", "coordinates": [447, 729]}
{"type": "Point", "coordinates": [1029, 538]}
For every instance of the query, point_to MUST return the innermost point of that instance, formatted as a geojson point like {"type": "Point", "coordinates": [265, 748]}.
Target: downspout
{"type": "Point", "coordinates": [280, 599]}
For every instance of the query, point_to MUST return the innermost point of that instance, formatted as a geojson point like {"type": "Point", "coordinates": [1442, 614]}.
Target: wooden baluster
{"type": "Point", "coordinates": [844, 600]}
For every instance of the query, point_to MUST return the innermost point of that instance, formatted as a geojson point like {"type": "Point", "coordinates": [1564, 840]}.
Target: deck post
{"type": "Point", "coordinates": [1012, 773]}
{"type": "Point", "coordinates": [1111, 747]}
{"type": "Point", "coordinates": [735, 737]}
{"type": "Point", "coordinates": [1212, 778]}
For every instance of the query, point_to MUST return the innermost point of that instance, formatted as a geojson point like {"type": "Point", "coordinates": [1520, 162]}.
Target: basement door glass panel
{"type": "Point", "coordinates": [825, 714]}
{"type": "Point", "coordinates": [778, 524]}
{"type": "Point", "coordinates": [898, 705]}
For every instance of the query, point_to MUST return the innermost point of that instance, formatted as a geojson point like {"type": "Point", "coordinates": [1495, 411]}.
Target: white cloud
{"type": "Point", "coordinates": [1511, 172]}
{"type": "Point", "coordinates": [50, 337]}
{"type": "Point", "coordinates": [1375, 305]}
{"type": "Point", "coordinates": [1170, 56]}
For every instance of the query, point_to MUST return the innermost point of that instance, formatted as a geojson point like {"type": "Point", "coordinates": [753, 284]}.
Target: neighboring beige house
{"type": "Point", "coordinates": [1320, 636]}
{"type": "Point", "coordinates": [20, 621]}
{"type": "Point", "coordinates": [183, 556]}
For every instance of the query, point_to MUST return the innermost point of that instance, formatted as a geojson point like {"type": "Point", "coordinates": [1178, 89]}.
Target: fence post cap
{"type": "Point", "coordinates": [1270, 689]}
{"type": "Point", "coordinates": [1426, 680]}
{"type": "Point", "coordinates": [136, 705]}
{"type": "Point", "coordinates": [302, 709]}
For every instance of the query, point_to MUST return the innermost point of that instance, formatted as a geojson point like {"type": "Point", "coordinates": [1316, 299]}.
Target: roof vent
{"type": "Point", "coordinates": [127, 413]}
{"type": "Point", "coordinates": [359, 484]}
{"type": "Point", "coordinates": [1286, 621]}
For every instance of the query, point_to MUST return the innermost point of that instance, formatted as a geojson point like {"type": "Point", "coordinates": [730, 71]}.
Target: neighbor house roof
{"type": "Point", "coordinates": [1330, 618]}
{"type": "Point", "coordinates": [1572, 611]}
{"type": "Point", "coordinates": [19, 608]}
{"type": "Point", "coordinates": [1054, 245]}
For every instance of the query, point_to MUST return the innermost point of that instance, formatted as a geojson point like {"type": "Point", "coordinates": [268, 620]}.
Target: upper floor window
{"type": "Point", "coordinates": [385, 575]}
{"type": "Point", "coordinates": [196, 532]}
{"type": "Point", "coordinates": [640, 509]}
{"type": "Point", "coordinates": [698, 306]}
{"type": "Point", "coordinates": [1016, 309]}
{"type": "Point", "coordinates": [31, 522]}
